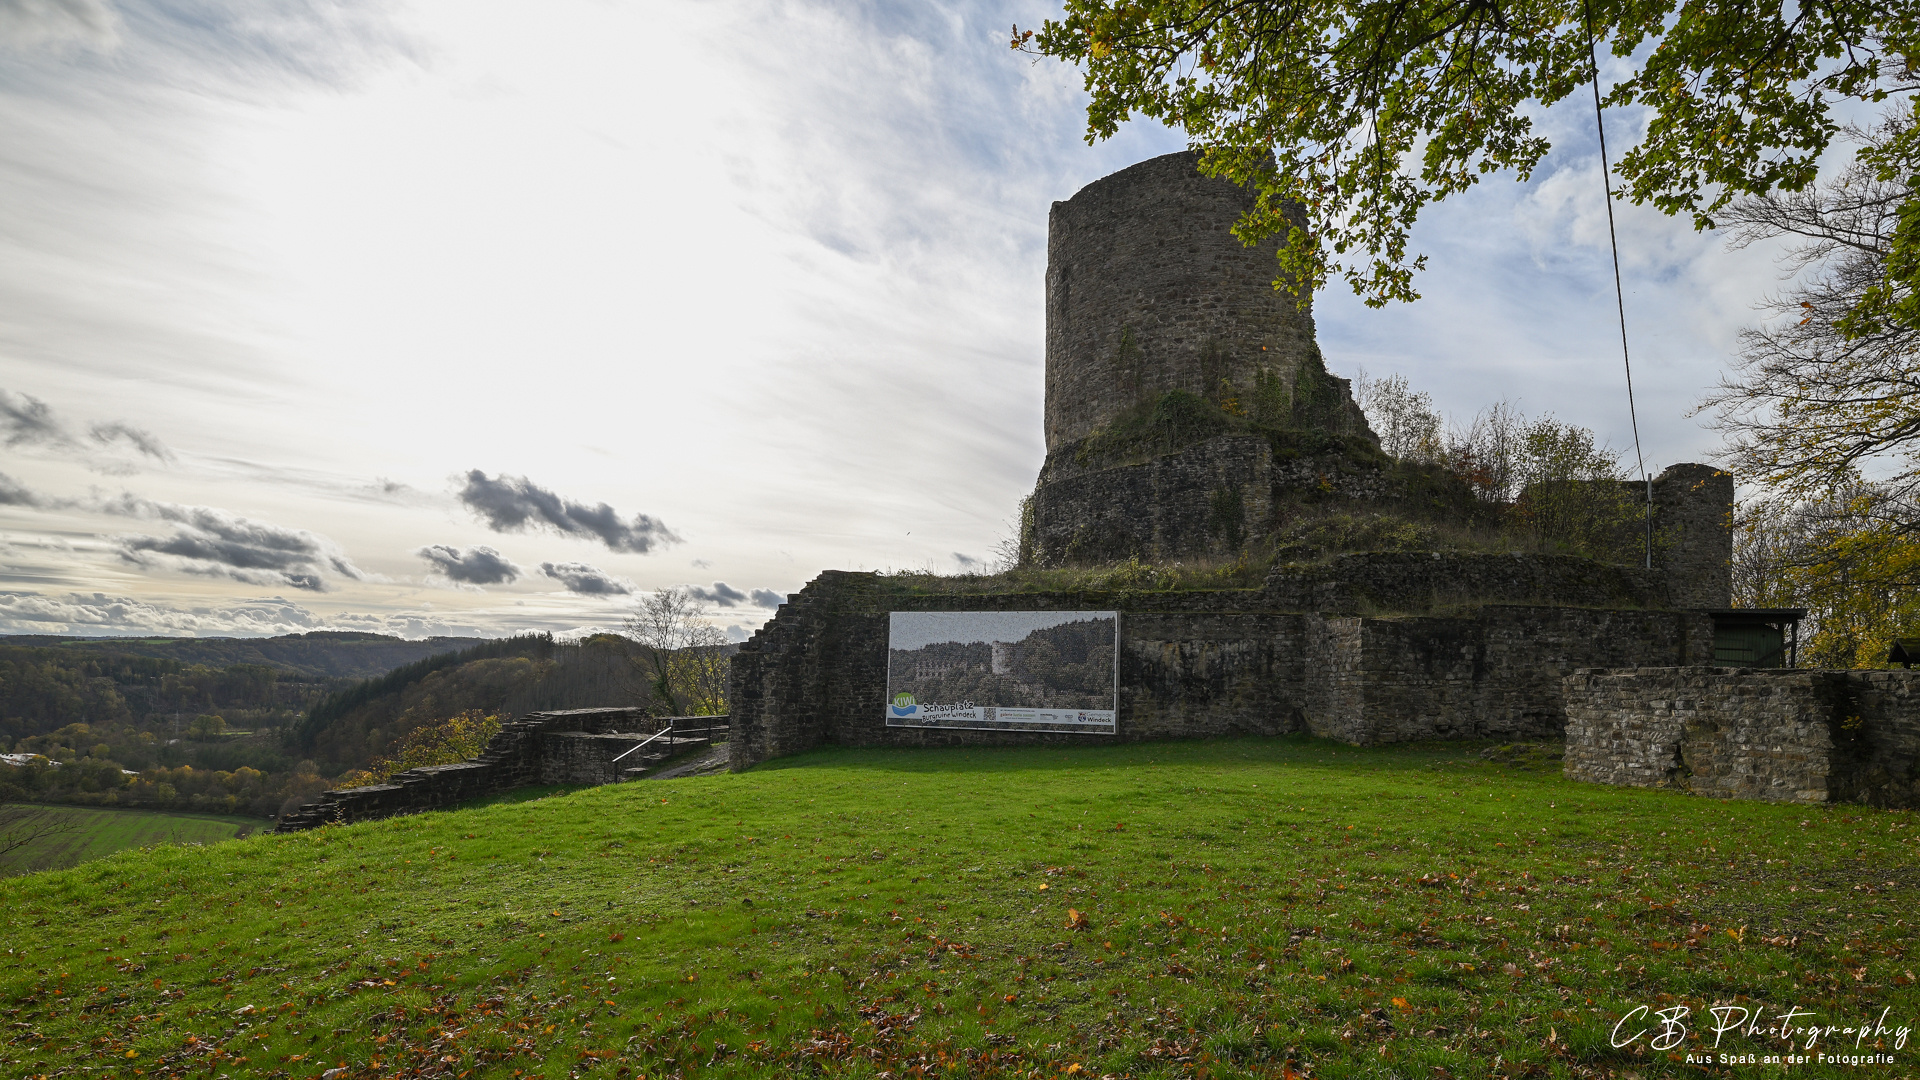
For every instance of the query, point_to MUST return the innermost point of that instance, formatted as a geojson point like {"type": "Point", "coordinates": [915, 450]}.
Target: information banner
{"type": "Point", "coordinates": [1004, 670]}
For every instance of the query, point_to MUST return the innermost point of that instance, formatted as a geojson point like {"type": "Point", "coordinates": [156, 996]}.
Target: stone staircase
{"type": "Point", "coordinates": [575, 746]}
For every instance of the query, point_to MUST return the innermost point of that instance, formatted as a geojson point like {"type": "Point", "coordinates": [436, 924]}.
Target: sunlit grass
{"type": "Point", "coordinates": [98, 832]}
{"type": "Point", "coordinates": [1247, 907]}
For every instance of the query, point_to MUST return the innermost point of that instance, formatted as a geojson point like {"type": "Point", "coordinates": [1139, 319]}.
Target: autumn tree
{"type": "Point", "coordinates": [441, 741]}
{"type": "Point", "coordinates": [1362, 112]}
{"type": "Point", "coordinates": [1408, 425]}
{"type": "Point", "coordinates": [1844, 558]}
{"type": "Point", "coordinates": [1822, 410]}
{"type": "Point", "coordinates": [683, 658]}
{"type": "Point", "coordinates": [1553, 484]}
{"type": "Point", "coordinates": [1821, 393]}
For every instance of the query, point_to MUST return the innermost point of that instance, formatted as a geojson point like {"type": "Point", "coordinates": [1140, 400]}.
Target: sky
{"type": "Point", "coordinates": [433, 317]}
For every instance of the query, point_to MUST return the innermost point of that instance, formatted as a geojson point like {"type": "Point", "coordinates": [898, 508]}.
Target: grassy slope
{"type": "Point", "coordinates": [1373, 912]}
{"type": "Point", "coordinates": [102, 832]}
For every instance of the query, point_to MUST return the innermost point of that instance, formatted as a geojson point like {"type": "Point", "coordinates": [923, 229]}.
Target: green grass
{"type": "Point", "coordinates": [101, 832]}
{"type": "Point", "coordinates": [1252, 908]}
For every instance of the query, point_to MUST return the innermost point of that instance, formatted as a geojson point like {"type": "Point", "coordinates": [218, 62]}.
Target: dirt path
{"type": "Point", "coordinates": [711, 760]}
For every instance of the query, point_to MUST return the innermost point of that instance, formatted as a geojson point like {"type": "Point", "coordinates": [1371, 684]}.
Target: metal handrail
{"type": "Point", "coordinates": [668, 730]}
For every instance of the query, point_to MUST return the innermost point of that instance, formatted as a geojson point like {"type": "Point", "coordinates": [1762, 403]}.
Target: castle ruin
{"type": "Point", "coordinates": [1189, 414]}
{"type": "Point", "coordinates": [1182, 388]}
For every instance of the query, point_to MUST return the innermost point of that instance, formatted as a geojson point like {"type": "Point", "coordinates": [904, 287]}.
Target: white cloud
{"type": "Point", "coordinates": [269, 250]}
{"type": "Point", "coordinates": [27, 24]}
{"type": "Point", "coordinates": [100, 615]}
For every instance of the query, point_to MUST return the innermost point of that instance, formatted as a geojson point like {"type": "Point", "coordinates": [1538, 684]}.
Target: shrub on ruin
{"type": "Point", "coordinates": [438, 742]}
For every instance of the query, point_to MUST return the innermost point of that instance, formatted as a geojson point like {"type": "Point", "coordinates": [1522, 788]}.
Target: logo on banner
{"type": "Point", "coordinates": [904, 704]}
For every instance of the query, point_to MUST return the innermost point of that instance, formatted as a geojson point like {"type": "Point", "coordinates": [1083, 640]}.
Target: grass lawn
{"type": "Point", "coordinates": [1268, 907]}
{"type": "Point", "coordinates": [100, 832]}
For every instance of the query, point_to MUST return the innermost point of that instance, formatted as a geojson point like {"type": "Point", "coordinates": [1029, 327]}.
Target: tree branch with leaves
{"type": "Point", "coordinates": [1362, 112]}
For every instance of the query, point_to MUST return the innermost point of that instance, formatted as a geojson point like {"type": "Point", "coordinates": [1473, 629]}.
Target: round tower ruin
{"type": "Point", "coordinates": [1149, 291]}
{"type": "Point", "coordinates": [1176, 372]}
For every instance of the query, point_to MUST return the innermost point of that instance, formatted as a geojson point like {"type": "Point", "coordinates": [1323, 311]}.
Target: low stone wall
{"type": "Point", "coordinates": [1742, 733]}
{"type": "Point", "coordinates": [574, 746]}
{"type": "Point", "coordinates": [1200, 663]}
{"type": "Point", "coordinates": [1495, 672]}
{"type": "Point", "coordinates": [1412, 582]}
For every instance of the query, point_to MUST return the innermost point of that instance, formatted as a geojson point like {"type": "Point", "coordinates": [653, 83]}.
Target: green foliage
{"type": "Point", "coordinates": [39, 692]}
{"type": "Point", "coordinates": [445, 741]}
{"type": "Point", "coordinates": [1318, 401]}
{"type": "Point", "coordinates": [340, 704]}
{"type": "Point", "coordinates": [43, 688]}
{"type": "Point", "coordinates": [1270, 403]}
{"type": "Point", "coordinates": [321, 654]}
{"type": "Point", "coordinates": [1029, 538]}
{"type": "Point", "coordinates": [1889, 306]}
{"type": "Point", "coordinates": [597, 671]}
{"type": "Point", "coordinates": [1850, 558]}
{"type": "Point", "coordinates": [1174, 420]}
{"type": "Point", "coordinates": [1128, 365]}
{"type": "Point", "coordinates": [238, 777]}
{"type": "Point", "coordinates": [1572, 495]}
{"type": "Point", "coordinates": [1244, 570]}
{"type": "Point", "coordinates": [1541, 483]}
{"type": "Point", "coordinates": [1253, 906]}
{"type": "Point", "coordinates": [1310, 537]}
{"type": "Point", "coordinates": [1359, 113]}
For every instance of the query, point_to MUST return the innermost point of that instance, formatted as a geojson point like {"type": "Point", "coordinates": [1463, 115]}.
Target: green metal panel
{"type": "Point", "coordinates": [1751, 645]}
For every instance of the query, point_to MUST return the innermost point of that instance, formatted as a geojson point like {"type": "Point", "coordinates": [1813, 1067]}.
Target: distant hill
{"type": "Point", "coordinates": [322, 653]}
{"type": "Point", "coordinates": [509, 676]}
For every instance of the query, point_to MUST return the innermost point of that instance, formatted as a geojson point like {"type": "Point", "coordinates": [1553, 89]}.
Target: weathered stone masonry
{"type": "Point", "coordinates": [1228, 662]}
{"type": "Point", "coordinates": [1148, 291]}
{"type": "Point", "coordinates": [1741, 733]}
{"type": "Point", "coordinates": [575, 746]}
{"type": "Point", "coordinates": [1188, 412]}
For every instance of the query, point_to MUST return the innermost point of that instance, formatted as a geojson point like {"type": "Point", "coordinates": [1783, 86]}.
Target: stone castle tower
{"type": "Point", "coordinates": [1148, 291]}
{"type": "Point", "coordinates": [1172, 362]}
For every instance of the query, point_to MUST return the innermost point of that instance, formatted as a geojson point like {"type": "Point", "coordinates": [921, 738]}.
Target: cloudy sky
{"type": "Point", "coordinates": [426, 316]}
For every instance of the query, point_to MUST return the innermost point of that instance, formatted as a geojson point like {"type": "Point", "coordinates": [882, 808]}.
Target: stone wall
{"type": "Point", "coordinates": [1191, 664]}
{"type": "Point", "coordinates": [1206, 663]}
{"type": "Point", "coordinates": [1408, 582]}
{"type": "Point", "coordinates": [1693, 519]}
{"type": "Point", "coordinates": [574, 746]}
{"type": "Point", "coordinates": [1211, 497]}
{"type": "Point", "coordinates": [1743, 733]}
{"type": "Point", "coordinates": [1207, 497]}
{"type": "Point", "coordinates": [1495, 672]}
{"type": "Point", "coordinates": [1148, 291]}
{"type": "Point", "coordinates": [1692, 533]}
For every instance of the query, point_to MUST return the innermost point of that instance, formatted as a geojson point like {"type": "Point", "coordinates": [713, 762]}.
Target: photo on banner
{"type": "Point", "coordinates": [1004, 670]}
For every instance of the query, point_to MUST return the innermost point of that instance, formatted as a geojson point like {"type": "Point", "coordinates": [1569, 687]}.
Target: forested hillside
{"type": "Point", "coordinates": [44, 689]}
{"type": "Point", "coordinates": [323, 653]}
{"type": "Point", "coordinates": [93, 726]}
{"type": "Point", "coordinates": [508, 677]}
